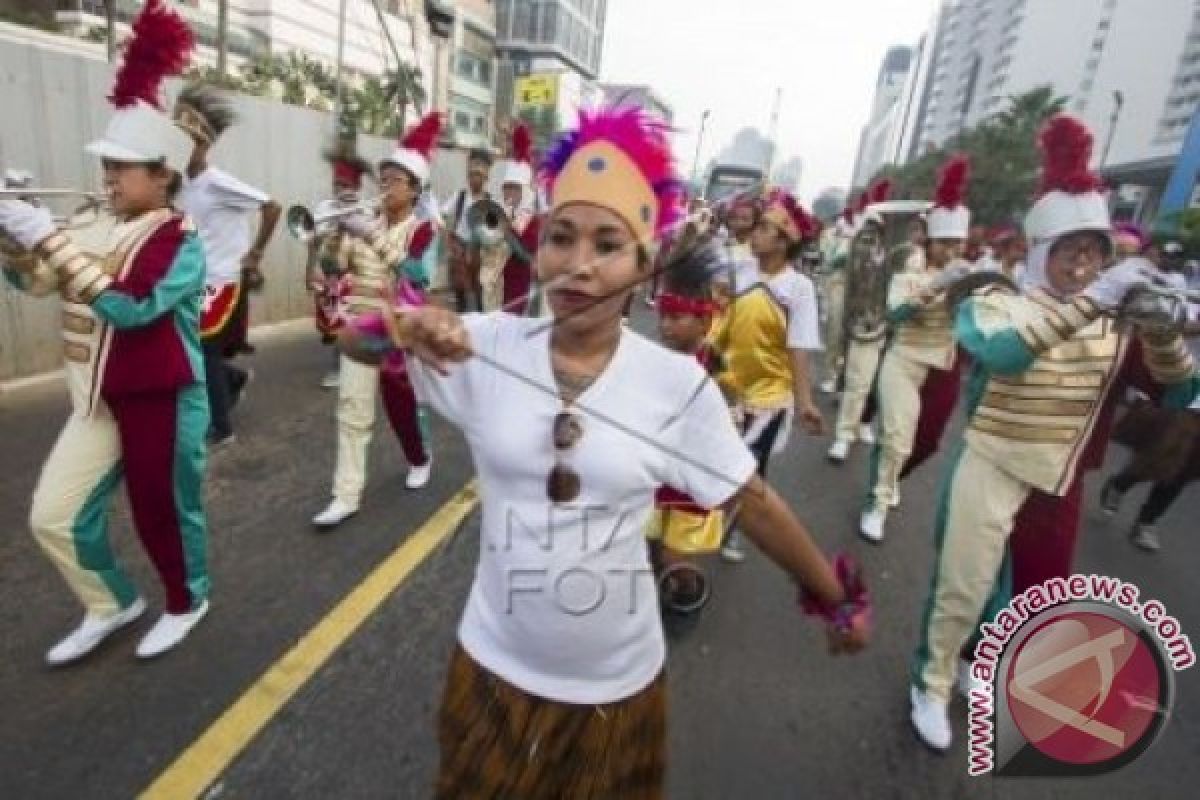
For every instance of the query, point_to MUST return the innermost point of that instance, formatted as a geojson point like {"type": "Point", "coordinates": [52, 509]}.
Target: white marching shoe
{"type": "Point", "coordinates": [334, 514]}
{"type": "Point", "coordinates": [966, 682]}
{"type": "Point", "coordinates": [418, 477]}
{"type": "Point", "coordinates": [930, 720]}
{"type": "Point", "coordinates": [91, 632]}
{"type": "Point", "coordinates": [866, 434]}
{"type": "Point", "coordinates": [732, 551]}
{"type": "Point", "coordinates": [828, 386]}
{"type": "Point", "coordinates": [170, 630]}
{"type": "Point", "coordinates": [838, 450]}
{"type": "Point", "coordinates": [870, 525]}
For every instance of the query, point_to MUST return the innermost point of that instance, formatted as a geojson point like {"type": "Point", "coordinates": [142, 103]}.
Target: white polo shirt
{"type": "Point", "coordinates": [563, 604]}
{"type": "Point", "coordinates": [220, 205]}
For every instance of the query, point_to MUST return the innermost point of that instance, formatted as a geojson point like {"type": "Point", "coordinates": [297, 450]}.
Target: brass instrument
{"type": "Point", "coordinates": [1157, 307]}
{"type": "Point", "coordinates": [488, 222]}
{"type": "Point", "coordinates": [81, 216]}
{"type": "Point", "coordinates": [306, 226]}
{"type": "Point", "coordinates": [877, 252]}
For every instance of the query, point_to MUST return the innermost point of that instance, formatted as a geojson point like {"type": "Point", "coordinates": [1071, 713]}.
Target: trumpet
{"type": "Point", "coordinates": [488, 222]}
{"type": "Point", "coordinates": [81, 216]}
{"type": "Point", "coordinates": [306, 226]}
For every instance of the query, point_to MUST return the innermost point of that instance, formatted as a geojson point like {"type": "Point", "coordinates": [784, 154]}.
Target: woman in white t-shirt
{"type": "Point", "coordinates": [557, 687]}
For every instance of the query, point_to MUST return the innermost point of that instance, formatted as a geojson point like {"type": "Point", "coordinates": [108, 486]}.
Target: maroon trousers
{"type": "Point", "coordinates": [404, 414]}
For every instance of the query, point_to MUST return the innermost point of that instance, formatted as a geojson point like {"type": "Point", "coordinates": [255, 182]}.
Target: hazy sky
{"type": "Point", "coordinates": [730, 55]}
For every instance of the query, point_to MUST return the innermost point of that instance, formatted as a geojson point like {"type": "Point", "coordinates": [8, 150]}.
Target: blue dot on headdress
{"type": "Point", "coordinates": [596, 164]}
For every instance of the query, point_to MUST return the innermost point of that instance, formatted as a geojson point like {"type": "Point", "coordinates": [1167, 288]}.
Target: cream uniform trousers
{"type": "Point", "coordinates": [357, 391]}
{"type": "Point", "coordinates": [862, 362]}
{"type": "Point", "coordinates": [900, 381]}
{"type": "Point", "coordinates": [835, 338]}
{"type": "Point", "coordinates": [981, 506]}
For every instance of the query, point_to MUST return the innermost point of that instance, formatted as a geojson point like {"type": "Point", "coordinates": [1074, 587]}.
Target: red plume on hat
{"type": "Point", "coordinates": [880, 191]}
{"type": "Point", "coordinates": [1066, 146]}
{"type": "Point", "coordinates": [522, 144]}
{"type": "Point", "coordinates": [951, 188]}
{"type": "Point", "coordinates": [860, 202]}
{"type": "Point", "coordinates": [161, 46]}
{"type": "Point", "coordinates": [424, 135]}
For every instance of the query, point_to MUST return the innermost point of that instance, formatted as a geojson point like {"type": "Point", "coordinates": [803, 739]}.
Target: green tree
{"type": "Point", "coordinates": [1004, 159]}
{"type": "Point", "coordinates": [405, 86]}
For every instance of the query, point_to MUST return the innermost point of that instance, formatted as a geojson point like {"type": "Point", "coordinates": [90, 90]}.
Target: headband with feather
{"type": "Point", "coordinates": [785, 211]}
{"type": "Point", "coordinates": [203, 112]}
{"type": "Point", "coordinates": [618, 158]}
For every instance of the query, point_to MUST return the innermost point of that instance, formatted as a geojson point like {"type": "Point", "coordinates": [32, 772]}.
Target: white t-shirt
{"type": "Point", "coordinates": [462, 230]}
{"type": "Point", "coordinates": [563, 604]}
{"type": "Point", "coordinates": [220, 206]}
{"type": "Point", "coordinates": [796, 293]}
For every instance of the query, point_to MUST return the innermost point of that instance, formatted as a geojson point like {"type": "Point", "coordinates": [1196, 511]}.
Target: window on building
{"type": "Point", "coordinates": [469, 116]}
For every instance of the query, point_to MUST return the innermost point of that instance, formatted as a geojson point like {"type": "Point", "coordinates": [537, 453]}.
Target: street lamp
{"type": "Point", "coordinates": [699, 141]}
{"type": "Point", "coordinates": [1118, 104]}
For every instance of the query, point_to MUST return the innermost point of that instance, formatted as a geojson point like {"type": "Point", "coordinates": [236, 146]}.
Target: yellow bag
{"type": "Point", "coordinates": [686, 532]}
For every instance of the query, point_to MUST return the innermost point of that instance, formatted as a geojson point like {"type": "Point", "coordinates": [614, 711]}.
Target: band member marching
{"type": "Point", "coordinates": [1048, 364]}
{"type": "Point", "coordinates": [922, 349]}
{"type": "Point", "coordinates": [835, 282]}
{"type": "Point", "coordinates": [324, 275]}
{"type": "Point", "coordinates": [516, 186]}
{"type": "Point", "coordinates": [462, 249]}
{"type": "Point", "coordinates": [134, 365]}
{"type": "Point", "coordinates": [765, 337]}
{"type": "Point", "coordinates": [219, 204]}
{"type": "Point", "coordinates": [397, 246]}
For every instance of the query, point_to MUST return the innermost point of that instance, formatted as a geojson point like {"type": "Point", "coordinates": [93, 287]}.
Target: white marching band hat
{"type": "Point", "coordinates": [416, 147]}
{"type": "Point", "coordinates": [1072, 196]}
{"type": "Point", "coordinates": [950, 218]}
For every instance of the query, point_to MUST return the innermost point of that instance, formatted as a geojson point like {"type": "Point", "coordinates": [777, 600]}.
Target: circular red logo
{"type": "Point", "coordinates": [1086, 688]}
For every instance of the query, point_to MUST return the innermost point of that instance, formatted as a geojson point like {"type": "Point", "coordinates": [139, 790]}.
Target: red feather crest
{"type": "Point", "coordinates": [161, 46]}
{"type": "Point", "coordinates": [1066, 146]}
{"type": "Point", "coordinates": [522, 144]}
{"type": "Point", "coordinates": [952, 183]}
{"type": "Point", "coordinates": [881, 191]}
{"type": "Point", "coordinates": [424, 135]}
{"type": "Point", "coordinates": [860, 203]}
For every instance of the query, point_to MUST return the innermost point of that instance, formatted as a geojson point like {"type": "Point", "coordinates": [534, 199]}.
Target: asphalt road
{"type": "Point", "coordinates": [758, 710]}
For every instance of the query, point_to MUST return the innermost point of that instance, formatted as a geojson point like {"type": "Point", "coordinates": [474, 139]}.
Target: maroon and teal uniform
{"type": "Point", "coordinates": [139, 412]}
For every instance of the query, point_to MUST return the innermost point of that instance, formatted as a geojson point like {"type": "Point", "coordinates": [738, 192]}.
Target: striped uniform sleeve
{"type": "Point", "coordinates": [902, 303]}
{"type": "Point", "coordinates": [139, 306]}
{"type": "Point", "coordinates": [1170, 363]}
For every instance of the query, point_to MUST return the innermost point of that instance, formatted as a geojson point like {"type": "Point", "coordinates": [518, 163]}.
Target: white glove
{"type": "Point", "coordinates": [28, 225]}
{"type": "Point", "coordinates": [1108, 291]}
{"type": "Point", "coordinates": [359, 224]}
{"type": "Point", "coordinates": [951, 274]}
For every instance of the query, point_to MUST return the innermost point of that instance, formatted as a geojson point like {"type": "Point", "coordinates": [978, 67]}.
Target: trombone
{"type": "Point", "coordinates": [306, 226]}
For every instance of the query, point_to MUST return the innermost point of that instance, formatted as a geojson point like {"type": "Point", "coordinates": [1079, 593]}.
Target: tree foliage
{"type": "Point", "coordinates": [1004, 159]}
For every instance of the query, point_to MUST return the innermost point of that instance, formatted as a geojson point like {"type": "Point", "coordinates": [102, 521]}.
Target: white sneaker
{"type": "Point", "coordinates": [170, 630]}
{"type": "Point", "coordinates": [91, 632]}
{"type": "Point", "coordinates": [866, 434]}
{"type": "Point", "coordinates": [966, 682]}
{"type": "Point", "coordinates": [930, 720]}
{"type": "Point", "coordinates": [839, 450]}
{"type": "Point", "coordinates": [331, 380]}
{"type": "Point", "coordinates": [418, 477]}
{"type": "Point", "coordinates": [1146, 538]}
{"type": "Point", "coordinates": [732, 550]}
{"type": "Point", "coordinates": [870, 525]}
{"type": "Point", "coordinates": [895, 501]}
{"type": "Point", "coordinates": [334, 514]}
{"type": "Point", "coordinates": [828, 387]}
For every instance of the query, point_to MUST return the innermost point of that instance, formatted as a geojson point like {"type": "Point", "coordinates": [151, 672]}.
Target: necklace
{"type": "Point", "coordinates": [571, 385]}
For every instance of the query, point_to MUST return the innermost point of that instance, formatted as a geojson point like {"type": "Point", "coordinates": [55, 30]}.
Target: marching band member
{"type": "Point", "coordinates": [324, 275]}
{"type": "Point", "coordinates": [765, 336]}
{"type": "Point", "coordinates": [1007, 256]}
{"type": "Point", "coordinates": [922, 349]}
{"type": "Point", "coordinates": [1048, 366]}
{"type": "Point", "coordinates": [395, 246]}
{"type": "Point", "coordinates": [219, 204]}
{"type": "Point", "coordinates": [516, 185]}
{"type": "Point", "coordinates": [461, 247]}
{"type": "Point", "coordinates": [863, 355]}
{"type": "Point", "coordinates": [134, 365]}
{"type": "Point", "coordinates": [834, 252]}
{"type": "Point", "coordinates": [537, 404]}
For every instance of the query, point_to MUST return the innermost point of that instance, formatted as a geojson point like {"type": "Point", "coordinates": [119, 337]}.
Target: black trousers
{"type": "Point", "coordinates": [225, 382]}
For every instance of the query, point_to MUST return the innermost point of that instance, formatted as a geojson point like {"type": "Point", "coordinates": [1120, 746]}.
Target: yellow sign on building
{"type": "Point", "coordinates": [536, 91]}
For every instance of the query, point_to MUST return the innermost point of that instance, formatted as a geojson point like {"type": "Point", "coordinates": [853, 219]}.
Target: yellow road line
{"type": "Point", "coordinates": [207, 758]}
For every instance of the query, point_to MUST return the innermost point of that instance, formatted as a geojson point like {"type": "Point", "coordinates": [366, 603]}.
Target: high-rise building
{"type": "Point", "coordinates": [471, 101]}
{"type": "Point", "coordinates": [885, 124]}
{"type": "Point", "coordinates": [644, 97]}
{"type": "Point", "coordinates": [564, 38]}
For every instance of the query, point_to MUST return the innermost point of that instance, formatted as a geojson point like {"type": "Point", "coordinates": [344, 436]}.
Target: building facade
{"type": "Point", "coordinates": [471, 103]}
{"type": "Point", "coordinates": [644, 97]}
{"type": "Point", "coordinates": [885, 124]}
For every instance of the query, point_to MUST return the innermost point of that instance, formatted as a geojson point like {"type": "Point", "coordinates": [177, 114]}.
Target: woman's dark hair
{"type": "Point", "coordinates": [480, 155]}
